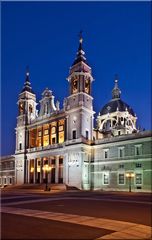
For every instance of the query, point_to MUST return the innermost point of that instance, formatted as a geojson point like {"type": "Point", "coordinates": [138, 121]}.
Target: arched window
{"type": "Point", "coordinates": [30, 108]}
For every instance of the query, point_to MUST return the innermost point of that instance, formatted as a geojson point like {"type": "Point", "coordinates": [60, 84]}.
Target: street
{"type": "Point", "coordinates": [30, 214]}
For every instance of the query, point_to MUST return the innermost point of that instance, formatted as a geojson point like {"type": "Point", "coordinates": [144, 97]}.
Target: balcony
{"type": "Point", "coordinates": [54, 146]}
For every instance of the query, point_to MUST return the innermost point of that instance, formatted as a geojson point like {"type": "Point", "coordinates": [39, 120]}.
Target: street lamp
{"type": "Point", "coordinates": [130, 176]}
{"type": "Point", "coordinates": [46, 168]}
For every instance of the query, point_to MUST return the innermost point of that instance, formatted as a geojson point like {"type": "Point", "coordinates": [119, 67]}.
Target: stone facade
{"type": "Point", "coordinates": [7, 170]}
{"type": "Point", "coordinates": [66, 140]}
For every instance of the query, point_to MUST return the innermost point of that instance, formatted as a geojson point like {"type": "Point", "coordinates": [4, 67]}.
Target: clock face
{"type": "Point", "coordinates": [87, 86]}
{"type": "Point", "coordinates": [75, 86]}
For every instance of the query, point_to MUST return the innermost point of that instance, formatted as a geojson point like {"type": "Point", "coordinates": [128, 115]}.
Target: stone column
{"type": "Point", "coordinates": [57, 169]}
{"type": "Point", "coordinates": [49, 173]}
{"type": "Point", "coordinates": [41, 171]}
{"type": "Point", "coordinates": [34, 172]}
{"type": "Point", "coordinates": [28, 171]}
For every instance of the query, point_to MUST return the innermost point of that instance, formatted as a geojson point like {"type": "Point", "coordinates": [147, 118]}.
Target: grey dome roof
{"type": "Point", "coordinates": [114, 105]}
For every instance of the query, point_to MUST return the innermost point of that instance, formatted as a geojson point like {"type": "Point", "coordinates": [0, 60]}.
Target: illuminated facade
{"type": "Point", "coordinates": [65, 139]}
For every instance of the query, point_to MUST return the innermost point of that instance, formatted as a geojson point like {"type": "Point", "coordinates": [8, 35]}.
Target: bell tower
{"type": "Point", "coordinates": [78, 104]}
{"type": "Point", "coordinates": [26, 114]}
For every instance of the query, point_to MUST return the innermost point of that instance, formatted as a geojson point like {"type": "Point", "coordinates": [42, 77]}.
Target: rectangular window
{"type": "Point", "coordinates": [138, 179]}
{"type": "Point", "coordinates": [138, 165]}
{"type": "Point", "coordinates": [61, 137]}
{"type": "Point", "coordinates": [20, 146]}
{"type": "Point", "coordinates": [46, 132]}
{"type": "Point", "coordinates": [121, 166]}
{"type": "Point", "coordinates": [74, 134]}
{"type": "Point", "coordinates": [105, 178]}
{"type": "Point", "coordinates": [106, 153]}
{"type": "Point", "coordinates": [138, 150]}
{"type": "Point", "coordinates": [46, 140]}
{"type": "Point", "coordinates": [39, 142]}
{"type": "Point", "coordinates": [39, 134]}
{"type": "Point", "coordinates": [60, 128]}
{"type": "Point", "coordinates": [121, 152]}
{"type": "Point", "coordinates": [53, 130]}
{"type": "Point", "coordinates": [121, 178]}
{"type": "Point", "coordinates": [10, 180]}
{"type": "Point", "coordinates": [87, 134]}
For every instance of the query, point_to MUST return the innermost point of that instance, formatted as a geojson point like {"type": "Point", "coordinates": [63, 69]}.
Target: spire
{"type": "Point", "coordinates": [27, 85]}
{"type": "Point", "coordinates": [116, 91]}
{"type": "Point", "coordinates": [80, 54]}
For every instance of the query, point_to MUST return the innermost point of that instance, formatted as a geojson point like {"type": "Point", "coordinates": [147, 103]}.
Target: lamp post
{"type": "Point", "coordinates": [46, 168]}
{"type": "Point", "coordinates": [130, 176]}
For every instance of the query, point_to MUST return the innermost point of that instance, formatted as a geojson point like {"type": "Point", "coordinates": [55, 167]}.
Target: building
{"type": "Point", "coordinates": [66, 140]}
{"type": "Point", "coordinates": [7, 170]}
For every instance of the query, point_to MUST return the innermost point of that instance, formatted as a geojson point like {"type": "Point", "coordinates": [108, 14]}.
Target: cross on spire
{"type": "Point", "coordinates": [116, 91]}
{"type": "Point", "coordinates": [80, 36]}
{"type": "Point", "coordinates": [27, 85]}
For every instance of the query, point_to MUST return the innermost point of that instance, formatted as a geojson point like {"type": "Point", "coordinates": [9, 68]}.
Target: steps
{"type": "Point", "coordinates": [36, 186]}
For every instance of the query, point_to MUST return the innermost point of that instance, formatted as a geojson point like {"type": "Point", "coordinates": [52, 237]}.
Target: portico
{"type": "Point", "coordinates": [36, 174]}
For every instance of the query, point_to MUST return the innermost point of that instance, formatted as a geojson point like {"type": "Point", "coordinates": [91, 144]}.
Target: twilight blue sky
{"type": "Point", "coordinates": [44, 35]}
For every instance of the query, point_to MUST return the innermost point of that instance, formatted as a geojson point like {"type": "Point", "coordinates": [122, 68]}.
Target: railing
{"type": "Point", "coordinates": [57, 145]}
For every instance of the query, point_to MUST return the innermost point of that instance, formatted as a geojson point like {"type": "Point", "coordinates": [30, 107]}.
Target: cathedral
{"type": "Point", "coordinates": [65, 146]}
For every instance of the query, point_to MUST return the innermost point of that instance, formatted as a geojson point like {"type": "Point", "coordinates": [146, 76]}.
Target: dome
{"type": "Point", "coordinates": [116, 105]}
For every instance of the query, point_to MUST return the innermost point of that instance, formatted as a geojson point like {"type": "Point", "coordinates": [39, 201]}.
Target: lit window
{"type": "Point", "coordinates": [138, 178]}
{"type": "Point", "coordinates": [53, 130]}
{"type": "Point", "coordinates": [46, 140]}
{"type": "Point", "coordinates": [61, 131]}
{"type": "Point", "coordinates": [105, 178]}
{"type": "Point", "coordinates": [46, 132]}
{"type": "Point", "coordinates": [61, 137]}
{"type": "Point", "coordinates": [121, 178]}
{"type": "Point", "coordinates": [39, 133]}
{"type": "Point", "coordinates": [60, 128]}
{"type": "Point", "coordinates": [53, 134]}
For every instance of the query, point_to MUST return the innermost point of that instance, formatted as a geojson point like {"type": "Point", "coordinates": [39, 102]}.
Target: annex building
{"type": "Point", "coordinates": [111, 155]}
